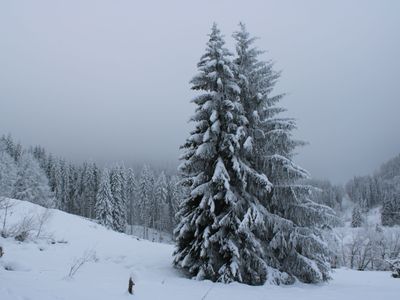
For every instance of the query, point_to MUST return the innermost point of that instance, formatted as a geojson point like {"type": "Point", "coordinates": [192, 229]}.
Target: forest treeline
{"type": "Point", "coordinates": [115, 196]}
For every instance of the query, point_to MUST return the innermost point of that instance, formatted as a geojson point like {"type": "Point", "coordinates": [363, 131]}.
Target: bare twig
{"type": "Point", "coordinates": [88, 256]}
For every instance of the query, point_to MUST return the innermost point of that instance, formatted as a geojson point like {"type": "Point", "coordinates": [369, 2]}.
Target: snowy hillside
{"type": "Point", "coordinates": [39, 268]}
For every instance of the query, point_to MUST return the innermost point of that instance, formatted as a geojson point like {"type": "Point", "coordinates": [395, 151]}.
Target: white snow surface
{"type": "Point", "coordinates": [40, 268]}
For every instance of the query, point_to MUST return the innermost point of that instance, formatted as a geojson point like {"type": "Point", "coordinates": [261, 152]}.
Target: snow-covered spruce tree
{"type": "Point", "coordinates": [104, 199]}
{"type": "Point", "coordinates": [293, 242]}
{"type": "Point", "coordinates": [32, 184]}
{"type": "Point", "coordinates": [63, 199]}
{"type": "Point", "coordinates": [390, 214]}
{"type": "Point", "coordinates": [356, 217]}
{"type": "Point", "coordinates": [119, 207]}
{"type": "Point", "coordinates": [221, 220]}
{"type": "Point", "coordinates": [160, 207]}
{"type": "Point", "coordinates": [173, 200]}
{"type": "Point", "coordinates": [73, 206]}
{"type": "Point", "coordinates": [130, 195]}
{"type": "Point", "coordinates": [145, 198]}
{"type": "Point", "coordinates": [12, 148]}
{"type": "Point", "coordinates": [89, 189]}
{"type": "Point", "coordinates": [8, 174]}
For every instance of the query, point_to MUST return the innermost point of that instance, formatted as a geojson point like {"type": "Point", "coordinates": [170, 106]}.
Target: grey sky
{"type": "Point", "coordinates": [108, 80]}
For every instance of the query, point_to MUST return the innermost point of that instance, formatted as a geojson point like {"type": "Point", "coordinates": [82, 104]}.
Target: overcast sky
{"type": "Point", "coordinates": [108, 80]}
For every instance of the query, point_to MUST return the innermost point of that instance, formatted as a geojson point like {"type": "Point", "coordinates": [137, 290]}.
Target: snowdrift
{"type": "Point", "coordinates": [40, 268]}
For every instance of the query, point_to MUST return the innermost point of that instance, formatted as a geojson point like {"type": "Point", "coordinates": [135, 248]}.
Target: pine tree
{"type": "Point", "coordinates": [118, 204]}
{"type": "Point", "coordinates": [32, 184]}
{"type": "Point", "coordinates": [292, 239]}
{"type": "Point", "coordinates": [219, 235]}
{"type": "Point", "coordinates": [104, 199]}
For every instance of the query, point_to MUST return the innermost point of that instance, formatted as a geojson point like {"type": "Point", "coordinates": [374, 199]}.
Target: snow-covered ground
{"type": "Point", "coordinates": [39, 268]}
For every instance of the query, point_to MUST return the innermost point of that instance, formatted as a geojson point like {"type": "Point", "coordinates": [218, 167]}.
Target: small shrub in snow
{"type": "Point", "coordinates": [88, 256]}
{"type": "Point", "coordinates": [22, 230]}
{"type": "Point", "coordinates": [41, 220]}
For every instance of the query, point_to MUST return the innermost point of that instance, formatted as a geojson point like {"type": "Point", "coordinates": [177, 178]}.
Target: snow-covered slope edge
{"type": "Point", "coordinates": [38, 269]}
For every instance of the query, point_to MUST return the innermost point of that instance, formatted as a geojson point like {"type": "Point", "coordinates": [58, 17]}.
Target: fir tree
{"type": "Point", "coordinates": [32, 184]}
{"type": "Point", "coordinates": [219, 235]}
{"type": "Point", "coordinates": [73, 206]}
{"type": "Point", "coordinates": [145, 195]}
{"type": "Point", "coordinates": [89, 189]}
{"type": "Point", "coordinates": [118, 204]}
{"type": "Point", "coordinates": [292, 238]}
{"type": "Point", "coordinates": [159, 207]}
{"type": "Point", "coordinates": [104, 199]}
{"type": "Point", "coordinates": [172, 202]}
{"type": "Point", "coordinates": [8, 174]}
{"type": "Point", "coordinates": [130, 194]}
{"type": "Point", "coordinates": [356, 217]}
{"type": "Point", "coordinates": [390, 214]}
{"type": "Point", "coordinates": [64, 186]}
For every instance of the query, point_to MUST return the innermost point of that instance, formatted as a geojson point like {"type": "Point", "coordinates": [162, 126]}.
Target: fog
{"type": "Point", "coordinates": [109, 80]}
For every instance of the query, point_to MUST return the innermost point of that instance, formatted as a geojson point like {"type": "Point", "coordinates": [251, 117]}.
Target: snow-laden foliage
{"type": "Point", "coordinates": [328, 194]}
{"type": "Point", "coordinates": [145, 197]}
{"type": "Point", "coordinates": [118, 203]}
{"type": "Point", "coordinates": [293, 242]}
{"type": "Point", "coordinates": [75, 188]}
{"type": "Point", "coordinates": [159, 205]}
{"type": "Point", "coordinates": [104, 202]}
{"type": "Point", "coordinates": [380, 189]}
{"type": "Point", "coordinates": [32, 184]}
{"type": "Point", "coordinates": [8, 174]}
{"type": "Point", "coordinates": [219, 236]}
{"type": "Point", "coordinates": [89, 182]}
{"type": "Point", "coordinates": [356, 217]}
{"type": "Point", "coordinates": [130, 195]}
{"type": "Point", "coordinates": [369, 247]}
{"type": "Point", "coordinates": [247, 217]}
{"type": "Point", "coordinates": [13, 149]}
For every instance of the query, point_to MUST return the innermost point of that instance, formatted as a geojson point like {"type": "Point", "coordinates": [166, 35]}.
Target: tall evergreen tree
{"type": "Point", "coordinates": [159, 207]}
{"type": "Point", "coordinates": [356, 217]}
{"type": "Point", "coordinates": [293, 244]}
{"type": "Point", "coordinates": [73, 180]}
{"type": "Point", "coordinates": [8, 174]}
{"type": "Point", "coordinates": [219, 235]}
{"type": "Point", "coordinates": [32, 184]}
{"type": "Point", "coordinates": [130, 194]}
{"type": "Point", "coordinates": [145, 195]}
{"type": "Point", "coordinates": [172, 202]}
{"type": "Point", "coordinates": [64, 186]}
{"type": "Point", "coordinates": [89, 189]}
{"type": "Point", "coordinates": [118, 204]}
{"type": "Point", "coordinates": [104, 199]}
{"type": "Point", "coordinates": [390, 213]}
